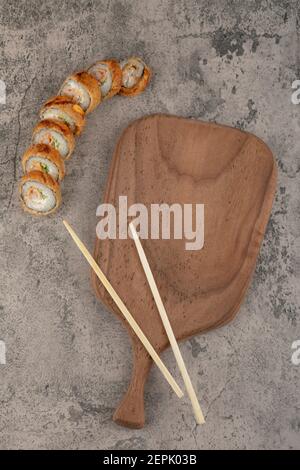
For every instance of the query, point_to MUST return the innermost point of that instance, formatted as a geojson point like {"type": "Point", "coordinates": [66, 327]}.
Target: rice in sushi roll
{"type": "Point", "coordinates": [108, 73]}
{"type": "Point", "coordinates": [56, 134]}
{"type": "Point", "coordinates": [83, 89]}
{"type": "Point", "coordinates": [61, 108]}
{"type": "Point", "coordinates": [135, 76]}
{"type": "Point", "coordinates": [40, 193]}
{"type": "Point", "coordinates": [44, 158]}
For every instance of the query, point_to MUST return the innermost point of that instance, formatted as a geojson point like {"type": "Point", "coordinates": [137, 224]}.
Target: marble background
{"type": "Point", "coordinates": [68, 360]}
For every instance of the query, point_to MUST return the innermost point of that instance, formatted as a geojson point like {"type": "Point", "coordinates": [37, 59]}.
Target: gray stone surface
{"type": "Point", "coordinates": [68, 360]}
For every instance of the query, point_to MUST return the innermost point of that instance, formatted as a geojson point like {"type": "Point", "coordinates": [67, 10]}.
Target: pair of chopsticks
{"type": "Point", "coordinates": [163, 314]}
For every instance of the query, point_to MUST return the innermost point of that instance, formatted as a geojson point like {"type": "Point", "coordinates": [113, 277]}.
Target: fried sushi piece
{"type": "Point", "coordinates": [135, 76]}
{"type": "Point", "coordinates": [108, 73]}
{"type": "Point", "coordinates": [61, 108]}
{"type": "Point", "coordinates": [40, 193]}
{"type": "Point", "coordinates": [56, 134]}
{"type": "Point", "coordinates": [44, 158]}
{"type": "Point", "coordinates": [83, 89]}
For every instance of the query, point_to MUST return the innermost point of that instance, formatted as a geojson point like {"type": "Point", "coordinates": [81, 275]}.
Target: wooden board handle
{"type": "Point", "coordinates": [130, 412]}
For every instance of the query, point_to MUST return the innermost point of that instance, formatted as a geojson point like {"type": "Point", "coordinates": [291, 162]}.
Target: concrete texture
{"type": "Point", "coordinates": [68, 360]}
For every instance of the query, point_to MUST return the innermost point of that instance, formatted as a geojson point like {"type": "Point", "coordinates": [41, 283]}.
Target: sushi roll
{"type": "Point", "coordinates": [108, 73]}
{"type": "Point", "coordinates": [44, 158]}
{"type": "Point", "coordinates": [56, 134]}
{"type": "Point", "coordinates": [135, 76]}
{"type": "Point", "coordinates": [40, 193]}
{"type": "Point", "coordinates": [61, 108]}
{"type": "Point", "coordinates": [83, 89]}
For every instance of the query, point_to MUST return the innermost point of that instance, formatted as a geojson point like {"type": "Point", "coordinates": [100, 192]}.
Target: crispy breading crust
{"type": "Point", "coordinates": [140, 86]}
{"type": "Point", "coordinates": [45, 179]}
{"type": "Point", "coordinates": [91, 85]}
{"type": "Point", "coordinates": [45, 151]}
{"type": "Point", "coordinates": [59, 127]}
{"type": "Point", "coordinates": [116, 73]}
{"type": "Point", "coordinates": [66, 104]}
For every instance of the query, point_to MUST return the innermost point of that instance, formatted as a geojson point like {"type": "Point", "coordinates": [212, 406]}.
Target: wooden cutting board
{"type": "Point", "coordinates": [167, 159]}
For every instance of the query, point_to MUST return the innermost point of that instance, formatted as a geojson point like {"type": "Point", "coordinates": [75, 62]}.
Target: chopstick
{"type": "Point", "coordinates": [163, 314]}
{"type": "Point", "coordinates": [122, 307]}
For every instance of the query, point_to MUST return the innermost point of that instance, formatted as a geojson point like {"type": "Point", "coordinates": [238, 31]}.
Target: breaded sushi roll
{"type": "Point", "coordinates": [83, 89]}
{"type": "Point", "coordinates": [61, 108]}
{"type": "Point", "coordinates": [56, 134]}
{"type": "Point", "coordinates": [42, 157]}
{"type": "Point", "coordinates": [108, 74]}
{"type": "Point", "coordinates": [40, 193]}
{"type": "Point", "coordinates": [135, 76]}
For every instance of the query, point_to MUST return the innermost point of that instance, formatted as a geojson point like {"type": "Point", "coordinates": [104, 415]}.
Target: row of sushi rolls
{"type": "Point", "coordinates": [62, 118]}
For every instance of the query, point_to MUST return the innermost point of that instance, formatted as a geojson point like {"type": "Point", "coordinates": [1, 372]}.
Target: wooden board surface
{"type": "Point", "coordinates": [167, 159]}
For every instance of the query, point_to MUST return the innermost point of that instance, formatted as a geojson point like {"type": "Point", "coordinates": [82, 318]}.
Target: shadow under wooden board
{"type": "Point", "coordinates": [167, 159]}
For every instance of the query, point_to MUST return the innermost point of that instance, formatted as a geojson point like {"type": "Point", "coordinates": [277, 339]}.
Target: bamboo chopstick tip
{"type": "Point", "coordinates": [65, 223]}
{"type": "Point", "coordinates": [200, 421]}
{"type": "Point", "coordinates": [69, 228]}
